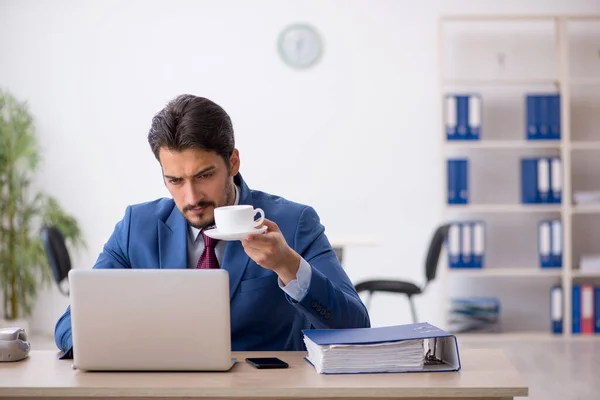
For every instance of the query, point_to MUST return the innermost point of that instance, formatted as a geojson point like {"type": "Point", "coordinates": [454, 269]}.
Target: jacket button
{"type": "Point", "coordinates": [323, 311]}
{"type": "Point", "coordinates": [327, 315]}
{"type": "Point", "coordinates": [319, 308]}
{"type": "Point", "coordinates": [314, 304]}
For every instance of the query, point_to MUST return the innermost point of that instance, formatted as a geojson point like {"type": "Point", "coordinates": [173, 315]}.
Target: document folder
{"type": "Point", "coordinates": [418, 347]}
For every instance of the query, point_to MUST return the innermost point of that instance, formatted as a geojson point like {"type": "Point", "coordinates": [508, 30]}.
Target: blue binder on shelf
{"type": "Point", "coordinates": [550, 243]}
{"type": "Point", "coordinates": [554, 105]}
{"type": "Point", "coordinates": [462, 120]}
{"type": "Point", "coordinates": [458, 181]}
{"type": "Point", "coordinates": [555, 190]}
{"type": "Point", "coordinates": [544, 243]}
{"type": "Point", "coordinates": [542, 116]}
{"type": "Point", "coordinates": [453, 245]}
{"type": "Point", "coordinates": [474, 117]}
{"type": "Point", "coordinates": [463, 115]}
{"type": "Point", "coordinates": [466, 244]}
{"type": "Point", "coordinates": [556, 247]}
{"type": "Point", "coordinates": [478, 230]}
{"type": "Point", "coordinates": [440, 347]}
{"type": "Point", "coordinates": [529, 181]}
{"type": "Point", "coordinates": [451, 117]}
{"type": "Point", "coordinates": [532, 124]}
{"type": "Point", "coordinates": [541, 180]}
{"type": "Point", "coordinates": [576, 309]}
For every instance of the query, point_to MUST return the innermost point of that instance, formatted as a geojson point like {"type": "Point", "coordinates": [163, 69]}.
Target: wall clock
{"type": "Point", "coordinates": [300, 46]}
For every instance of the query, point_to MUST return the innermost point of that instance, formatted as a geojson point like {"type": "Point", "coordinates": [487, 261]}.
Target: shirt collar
{"type": "Point", "coordinates": [194, 232]}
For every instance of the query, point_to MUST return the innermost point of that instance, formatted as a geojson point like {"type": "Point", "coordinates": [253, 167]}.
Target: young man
{"type": "Point", "coordinates": [282, 281]}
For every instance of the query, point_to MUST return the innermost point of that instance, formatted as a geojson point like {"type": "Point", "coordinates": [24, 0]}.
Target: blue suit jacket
{"type": "Point", "coordinates": [263, 316]}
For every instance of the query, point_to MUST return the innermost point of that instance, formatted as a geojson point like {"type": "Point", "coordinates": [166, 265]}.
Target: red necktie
{"type": "Point", "coordinates": [208, 259]}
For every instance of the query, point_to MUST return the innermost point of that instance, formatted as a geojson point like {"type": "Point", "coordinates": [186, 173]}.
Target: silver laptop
{"type": "Point", "coordinates": [150, 320]}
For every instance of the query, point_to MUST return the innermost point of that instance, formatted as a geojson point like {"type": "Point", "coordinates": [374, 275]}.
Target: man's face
{"type": "Point", "coordinates": [199, 181]}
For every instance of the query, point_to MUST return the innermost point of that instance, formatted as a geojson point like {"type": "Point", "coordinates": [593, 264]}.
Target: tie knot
{"type": "Point", "coordinates": [208, 241]}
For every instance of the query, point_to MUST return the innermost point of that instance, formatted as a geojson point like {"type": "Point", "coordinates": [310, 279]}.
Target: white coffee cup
{"type": "Point", "coordinates": [232, 219]}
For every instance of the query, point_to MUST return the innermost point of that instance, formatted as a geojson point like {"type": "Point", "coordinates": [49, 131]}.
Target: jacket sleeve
{"type": "Point", "coordinates": [113, 255]}
{"type": "Point", "coordinates": [331, 302]}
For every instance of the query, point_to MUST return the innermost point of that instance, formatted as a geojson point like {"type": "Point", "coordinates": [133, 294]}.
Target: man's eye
{"type": "Point", "coordinates": [205, 176]}
{"type": "Point", "coordinates": [175, 181]}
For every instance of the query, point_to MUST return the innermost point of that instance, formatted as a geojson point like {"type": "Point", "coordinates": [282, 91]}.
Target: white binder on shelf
{"type": "Point", "coordinates": [454, 246]}
{"type": "Point", "coordinates": [556, 309]}
{"type": "Point", "coordinates": [478, 244]}
{"type": "Point", "coordinates": [451, 112]}
{"type": "Point", "coordinates": [544, 180]}
{"type": "Point", "coordinates": [556, 180]}
{"type": "Point", "coordinates": [544, 244]}
{"type": "Point", "coordinates": [474, 116]}
{"type": "Point", "coordinates": [557, 244]}
{"type": "Point", "coordinates": [466, 246]}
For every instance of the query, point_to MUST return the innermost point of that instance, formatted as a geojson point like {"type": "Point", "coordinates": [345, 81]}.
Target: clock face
{"type": "Point", "coordinates": [299, 46]}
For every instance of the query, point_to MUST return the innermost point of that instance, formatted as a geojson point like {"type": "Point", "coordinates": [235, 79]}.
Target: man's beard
{"type": "Point", "coordinates": [228, 200]}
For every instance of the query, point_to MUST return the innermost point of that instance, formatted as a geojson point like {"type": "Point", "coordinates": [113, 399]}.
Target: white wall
{"type": "Point", "coordinates": [357, 136]}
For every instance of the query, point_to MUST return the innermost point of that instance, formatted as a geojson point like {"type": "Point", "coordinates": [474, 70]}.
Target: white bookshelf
{"type": "Point", "coordinates": [585, 82]}
{"type": "Point", "coordinates": [504, 208]}
{"type": "Point", "coordinates": [562, 39]}
{"type": "Point", "coordinates": [501, 82]}
{"type": "Point", "coordinates": [503, 144]}
{"type": "Point", "coordinates": [586, 209]}
{"type": "Point", "coordinates": [520, 271]}
{"type": "Point", "coordinates": [585, 145]}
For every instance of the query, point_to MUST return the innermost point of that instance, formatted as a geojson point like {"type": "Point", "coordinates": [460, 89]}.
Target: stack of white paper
{"type": "Point", "coordinates": [586, 197]}
{"type": "Point", "coordinates": [398, 356]}
{"type": "Point", "coordinates": [589, 262]}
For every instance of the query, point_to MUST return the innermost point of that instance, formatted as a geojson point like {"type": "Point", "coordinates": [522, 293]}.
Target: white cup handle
{"type": "Point", "coordinates": [262, 217]}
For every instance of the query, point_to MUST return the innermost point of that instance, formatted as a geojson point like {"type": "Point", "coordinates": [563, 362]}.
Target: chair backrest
{"type": "Point", "coordinates": [56, 252]}
{"type": "Point", "coordinates": [433, 253]}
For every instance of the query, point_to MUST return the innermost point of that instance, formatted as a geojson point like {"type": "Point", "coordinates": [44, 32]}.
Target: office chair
{"type": "Point", "coordinates": [57, 254]}
{"type": "Point", "coordinates": [408, 288]}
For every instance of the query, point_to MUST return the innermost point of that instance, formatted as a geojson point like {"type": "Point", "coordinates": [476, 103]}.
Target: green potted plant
{"type": "Point", "coordinates": [23, 210]}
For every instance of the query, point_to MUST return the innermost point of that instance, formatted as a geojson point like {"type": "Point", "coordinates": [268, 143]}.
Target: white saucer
{"type": "Point", "coordinates": [215, 234]}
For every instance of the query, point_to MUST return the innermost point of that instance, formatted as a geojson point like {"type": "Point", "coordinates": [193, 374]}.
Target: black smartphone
{"type": "Point", "coordinates": [266, 362]}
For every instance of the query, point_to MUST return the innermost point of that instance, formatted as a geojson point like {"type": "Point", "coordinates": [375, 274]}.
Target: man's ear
{"type": "Point", "coordinates": [234, 162]}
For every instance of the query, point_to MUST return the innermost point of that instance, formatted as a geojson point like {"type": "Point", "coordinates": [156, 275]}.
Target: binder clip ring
{"type": "Point", "coordinates": [430, 358]}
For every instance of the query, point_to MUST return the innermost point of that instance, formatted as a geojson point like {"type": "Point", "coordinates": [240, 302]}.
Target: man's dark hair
{"type": "Point", "coordinates": [189, 122]}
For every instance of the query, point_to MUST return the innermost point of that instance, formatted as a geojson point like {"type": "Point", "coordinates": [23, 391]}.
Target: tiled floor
{"type": "Point", "coordinates": [554, 369]}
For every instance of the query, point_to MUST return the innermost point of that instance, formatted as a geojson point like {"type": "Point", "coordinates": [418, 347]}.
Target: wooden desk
{"type": "Point", "coordinates": [486, 374]}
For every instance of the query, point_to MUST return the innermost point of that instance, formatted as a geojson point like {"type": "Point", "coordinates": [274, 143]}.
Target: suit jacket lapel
{"type": "Point", "coordinates": [172, 241]}
{"type": "Point", "coordinates": [235, 259]}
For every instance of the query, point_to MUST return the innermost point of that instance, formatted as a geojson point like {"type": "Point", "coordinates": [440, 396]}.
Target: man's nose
{"type": "Point", "coordinates": [191, 194]}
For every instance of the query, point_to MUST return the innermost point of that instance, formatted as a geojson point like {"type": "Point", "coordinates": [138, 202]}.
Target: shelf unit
{"type": "Point", "coordinates": [504, 208]}
{"type": "Point", "coordinates": [492, 338]}
{"type": "Point", "coordinates": [526, 271]}
{"type": "Point", "coordinates": [568, 148]}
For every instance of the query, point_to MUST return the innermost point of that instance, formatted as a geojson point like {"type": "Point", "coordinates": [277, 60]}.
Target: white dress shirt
{"type": "Point", "coordinates": [296, 289]}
